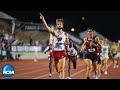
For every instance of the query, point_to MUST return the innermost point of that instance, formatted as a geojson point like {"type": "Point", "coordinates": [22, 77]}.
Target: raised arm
{"type": "Point", "coordinates": [45, 24]}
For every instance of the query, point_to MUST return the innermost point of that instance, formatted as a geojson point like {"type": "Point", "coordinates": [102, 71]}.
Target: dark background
{"type": "Point", "coordinates": [105, 22]}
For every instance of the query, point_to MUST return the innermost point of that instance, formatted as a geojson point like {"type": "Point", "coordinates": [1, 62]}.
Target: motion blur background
{"type": "Point", "coordinates": [25, 33]}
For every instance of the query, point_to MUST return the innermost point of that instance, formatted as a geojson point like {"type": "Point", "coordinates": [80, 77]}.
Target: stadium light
{"type": "Point", "coordinates": [83, 18]}
{"type": "Point", "coordinates": [72, 29]}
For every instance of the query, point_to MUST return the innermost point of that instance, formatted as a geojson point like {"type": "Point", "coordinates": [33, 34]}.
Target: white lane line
{"type": "Point", "coordinates": [52, 73]}
{"type": "Point", "coordinates": [27, 73]}
{"type": "Point", "coordinates": [76, 73]}
{"type": "Point", "coordinates": [27, 68]}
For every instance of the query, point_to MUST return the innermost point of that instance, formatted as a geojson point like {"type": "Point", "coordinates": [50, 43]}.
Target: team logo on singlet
{"type": "Point", "coordinates": [104, 49]}
{"type": "Point", "coordinates": [59, 41]}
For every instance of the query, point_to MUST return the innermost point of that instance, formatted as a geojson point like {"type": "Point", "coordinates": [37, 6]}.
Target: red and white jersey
{"type": "Point", "coordinates": [90, 48]}
{"type": "Point", "coordinates": [71, 51]}
{"type": "Point", "coordinates": [59, 41]}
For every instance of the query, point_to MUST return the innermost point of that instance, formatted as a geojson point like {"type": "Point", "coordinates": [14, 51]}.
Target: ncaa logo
{"type": "Point", "coordinates": [8, 70]}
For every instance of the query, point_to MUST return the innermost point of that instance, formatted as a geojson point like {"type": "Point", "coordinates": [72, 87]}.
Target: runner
{"type": "Point", "coordinates": [104, 57]}
{"type": "Point", "coordinates": [91, 54]}
{"type": "Point", "coordinates": [114, 52]}
{"type": "Point", "coordinates": [60, 42]}
{"type": "Point", "coordinates": [117, 57]}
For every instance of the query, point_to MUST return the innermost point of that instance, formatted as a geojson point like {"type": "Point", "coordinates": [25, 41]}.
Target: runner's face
{"type": "Point", "coordinates": [59, 25]}
{"type": "Point", "coordinates": [90, 32]}
{"type": "Point", "coordinates": [105, 40]}
{"type": "Point", "coordinates": [97, 39]}
{"type": "Point", "coordinates": [101, 41]}
{"type": "Point", "coordinates": [113, 43]}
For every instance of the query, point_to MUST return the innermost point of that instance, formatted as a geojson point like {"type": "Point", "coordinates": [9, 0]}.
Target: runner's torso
{"type": "Point", "coordinates": [59, 42]}
{"type": "Point", "coordinates": [90, 49]}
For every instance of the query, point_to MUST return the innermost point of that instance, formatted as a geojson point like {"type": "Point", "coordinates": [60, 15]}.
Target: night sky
{"type": "Point", "coordinates": [106, 23]}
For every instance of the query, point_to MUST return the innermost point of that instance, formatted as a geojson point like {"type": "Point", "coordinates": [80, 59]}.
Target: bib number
{"type": "Point", "coordinates": [58, 45]}
{"type": "Point", "coordinates": [91, 50]}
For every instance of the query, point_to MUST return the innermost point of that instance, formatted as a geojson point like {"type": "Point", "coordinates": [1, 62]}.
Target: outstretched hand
{"type": "Point", "coordinates": [41, 16]}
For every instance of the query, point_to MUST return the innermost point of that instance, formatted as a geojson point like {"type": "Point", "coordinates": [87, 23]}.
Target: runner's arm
{"type": "Point", "coordinates": [46, 25]}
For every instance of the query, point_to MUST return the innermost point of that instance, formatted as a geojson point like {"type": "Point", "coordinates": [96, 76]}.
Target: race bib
{"type": "Point", "coordinates": [71, 52]}
{"type": "Point", "coordinates": [104, 50]}
{"type": "Point", "coordinates": [58, 45]}
{"type": "Point", "coordinates": [91, 50]}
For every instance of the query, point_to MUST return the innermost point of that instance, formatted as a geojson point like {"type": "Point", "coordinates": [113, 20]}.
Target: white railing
{"type": "Point", "coordinates": [26, 48]}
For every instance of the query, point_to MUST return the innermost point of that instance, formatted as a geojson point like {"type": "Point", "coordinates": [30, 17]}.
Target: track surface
{"type": "Point", "coordinates": [28, 69]}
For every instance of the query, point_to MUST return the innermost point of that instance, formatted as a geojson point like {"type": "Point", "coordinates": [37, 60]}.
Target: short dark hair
{"type": "Point", "coordinates": [60, 20]}
{"type": "Point", "coordinates": [90, 28]}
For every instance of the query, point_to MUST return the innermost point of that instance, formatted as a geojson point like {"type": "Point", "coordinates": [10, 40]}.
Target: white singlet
{"type": "Point", "coordinates": [105, 52]}
{"type": "Point", "coordinates": [59, 42]}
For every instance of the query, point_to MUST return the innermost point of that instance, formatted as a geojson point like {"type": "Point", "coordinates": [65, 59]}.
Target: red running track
{"type": "Point", "coordinates": [28, 69]}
